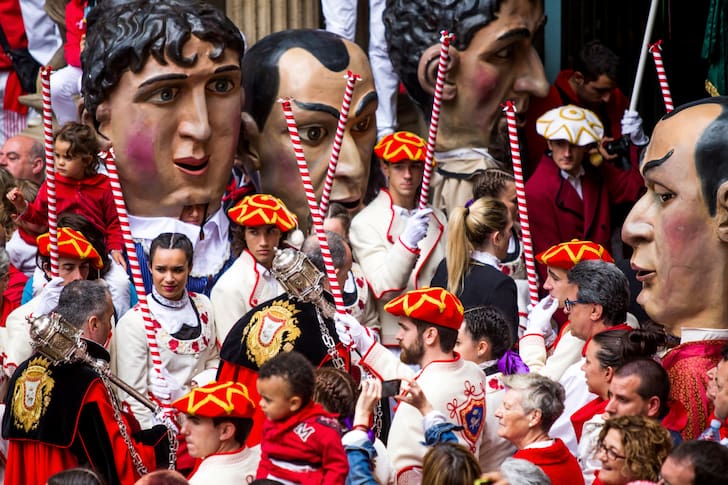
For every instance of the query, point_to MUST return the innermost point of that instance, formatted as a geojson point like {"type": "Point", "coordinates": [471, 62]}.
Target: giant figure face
{"type": "Point", "coordinates": [162, 80]}
{"type": "Point", "coordinates": [309, 66]}
{"type": "Point", "coordinates": [493, 59]}
{"type": "Point", "coordinates": [679, 228]}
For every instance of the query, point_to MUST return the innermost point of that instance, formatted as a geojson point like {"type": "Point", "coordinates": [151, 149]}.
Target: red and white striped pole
{"type": "Point", "coordinates": [45, 83]}
{"type": "Point", "coordinates": [510, 109]}
{"type": "Point", "coordinates": [656, 51]}
{"type": "Point", "coordinates": [445, 39]}
{"type": "Point", "coordinates": [318, 221]}
{"type": "Point", "coordinates": [136, 272]}
{"type": "Point", "coordinates": [351, 78]}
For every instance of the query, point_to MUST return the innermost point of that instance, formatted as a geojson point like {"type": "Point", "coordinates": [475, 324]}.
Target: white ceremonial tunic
{"type": "Point", "coordinates": [233, 468]}
{"type": "Point", "coordinates": [243, 286]}
{"type": "Point", "coordinates": [454, 387]}
{"type": "Point", "coordinates": [390, 267]}
{"type": "Point", "coordinates": [183, 359]}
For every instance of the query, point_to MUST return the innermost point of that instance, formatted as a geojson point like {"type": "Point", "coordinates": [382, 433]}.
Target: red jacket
{"type": "Point", "coordinates": [75, 28]}
{"type": "Point", "coordinates": [556, 214]}
{"type": "Point", "coordinates": [90, 197]}
{"type": "Point", "coordinates": [556, 461]}
{"type": "Point", "coordinates": [62, 417]}
{"type": "Point", "coordinates": [14, 29]}
{"type": "Point", "coordinates": [560, 94]}
{"type": "Point", "coordinates": [310, 437]}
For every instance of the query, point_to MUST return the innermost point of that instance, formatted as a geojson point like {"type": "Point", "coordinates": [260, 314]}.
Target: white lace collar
{"type": "Point", "coordinates": [172, 314]}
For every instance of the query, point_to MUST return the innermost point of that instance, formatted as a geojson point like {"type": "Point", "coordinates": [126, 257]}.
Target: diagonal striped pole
{"type": "Point", "coordinates": [136, 272]}
{"type": "Point", "coordinates": [318, 221]}
{"type": "Point", "coordinates": [656, 51]}
{"type": "Point", "coordinates": [351, 78]}
{"type": "Point", "coordinates": [45, 83]}
{"type": "Point", "coordinates": [445, 40]}
{"type": "Point", "coordinates": [510, 109]}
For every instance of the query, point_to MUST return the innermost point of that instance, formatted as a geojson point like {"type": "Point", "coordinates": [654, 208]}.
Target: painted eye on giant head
{"type": "Point", "coordinates": [313, 134]}
{"type": "Point", "coordinates": [222, 85]}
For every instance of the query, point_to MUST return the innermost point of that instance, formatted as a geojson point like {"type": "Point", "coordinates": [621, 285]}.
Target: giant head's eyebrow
{"type": "Point", "coordinates": [324, 108]}
{"type": "Point", "coordinates": [365, 101]}
{"type": "Point", "coordinates": [650, 164]}
{"type": "Point", "coordinates": [173, 76]}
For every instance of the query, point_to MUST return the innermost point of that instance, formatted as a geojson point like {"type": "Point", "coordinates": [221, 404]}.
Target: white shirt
{"type": "Point", "coordinates": [485, 258]}
{"type": "Point", "coordinates": [210, 253]}
{"type": "Point", "coordinates": [574, 180]}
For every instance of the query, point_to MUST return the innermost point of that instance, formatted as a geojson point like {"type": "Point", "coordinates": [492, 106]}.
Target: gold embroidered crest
{"type": "Point", "coordinates": [32, 394]}
{"type": "Point", "coordinates": [271, 329]}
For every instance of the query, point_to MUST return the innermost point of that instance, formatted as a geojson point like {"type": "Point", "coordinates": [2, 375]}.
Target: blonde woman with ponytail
{"type": "Point", "coordinates": [477, 239]}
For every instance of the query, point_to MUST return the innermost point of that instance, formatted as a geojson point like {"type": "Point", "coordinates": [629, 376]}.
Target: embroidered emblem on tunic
{"type": "Point", "coordinates": [32, 394]}
{"type": "Point", "coordinates": [271, 329]}
{"type": "Point", "coordinates": [470, 413]}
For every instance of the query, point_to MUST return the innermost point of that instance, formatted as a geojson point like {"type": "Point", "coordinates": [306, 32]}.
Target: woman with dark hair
{"type": "Point", "coordinates": [114, 275]}
{"type": "Point", "coordinates": [605, 353]}
{"type": "Point", "coordinates": [183, 324]}
{"type": "Point", "coordinates": [82, 255]}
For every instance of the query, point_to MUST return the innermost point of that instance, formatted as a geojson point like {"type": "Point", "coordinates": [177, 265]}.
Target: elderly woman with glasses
{"type": "Point", "coordinates": [530, 406]}
{"type": "Point", "coordinates": [631, 448]}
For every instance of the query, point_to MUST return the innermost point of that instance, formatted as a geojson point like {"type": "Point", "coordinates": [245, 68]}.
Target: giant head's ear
{"type": "Point", "coordinates": [249, 143]}
{"type": "Point", "coordinates": [103, 116]}
{"type": "Point", "coordinates": [427, 71]}
{"type": "Point", "coordinates": [721, 211]}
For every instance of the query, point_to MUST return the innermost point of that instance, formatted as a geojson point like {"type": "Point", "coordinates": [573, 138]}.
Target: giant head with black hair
{"type": "Point", "coordinates": [679, 228]}
{"type": "Point", "coordinates": [492, 59]}
{"type": "Point", "coordinates": [310, 67]}
{"type": "Point", "coordinates": [162, 81]}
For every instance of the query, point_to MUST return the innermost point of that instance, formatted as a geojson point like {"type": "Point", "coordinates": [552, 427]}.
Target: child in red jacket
{"type": "Point", "coordinates": [301, 442]}
{"type": "Point", "coordinates": [79, 188]}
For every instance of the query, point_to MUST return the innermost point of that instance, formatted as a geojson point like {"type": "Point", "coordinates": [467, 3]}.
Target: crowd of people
{"type": "Point", "coordinates": [411, 348]}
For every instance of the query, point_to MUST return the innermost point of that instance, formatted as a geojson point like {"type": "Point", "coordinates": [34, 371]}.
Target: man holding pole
{"type": "Point", "coordinates": [397, 245]}
{"type": "Point", "coordinates": [591, 84]}
{"type": "Point", "coordinates": [492, 59]}
{"type": "Point", "coordinates": [64, 415]}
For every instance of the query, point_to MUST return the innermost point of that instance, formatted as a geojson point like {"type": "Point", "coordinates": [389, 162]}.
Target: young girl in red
{"type": "Point", "coordinates": [79, 188]}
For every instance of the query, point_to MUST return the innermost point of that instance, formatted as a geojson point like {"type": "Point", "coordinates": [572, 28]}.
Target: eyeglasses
{"type": "Point", "coordinates": [568, 304]}
{"type": "Point", "coordinates": [611, 454]}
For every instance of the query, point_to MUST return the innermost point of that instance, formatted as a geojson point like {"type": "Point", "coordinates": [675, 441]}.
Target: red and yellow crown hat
{"type": "Point", "coordinates": [71, 244]}
{"type": "Point", "coordinates": [432, 305]}
{"type": "Point", "coordinates": [217, 400]}
{"type": "Point", "coordinates": [566, 255]}
{"type": "Point", "coordinates": [400, 146]}
{"type": "Point", "coordinates": [263, 210]}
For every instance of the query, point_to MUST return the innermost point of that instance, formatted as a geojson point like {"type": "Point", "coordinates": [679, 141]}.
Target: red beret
{"type": "Point", "coordinates": [217, 400]}
{"type": "Point", "coordinates": [432, 305]}
{"type": "Point", "coordinates": [567, 255]}
{"type": "Point", "coordinates": [262, 210]}
{"type": "Point", "coordinates": [400, 146]}
{"type": "Point", "coordinates": [71, 244]}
